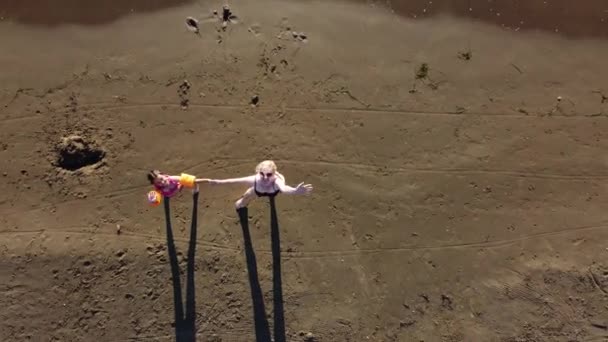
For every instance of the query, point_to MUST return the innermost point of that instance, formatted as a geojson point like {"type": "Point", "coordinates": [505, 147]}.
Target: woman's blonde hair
{"type": "Point", "coordinates": [266, 164]}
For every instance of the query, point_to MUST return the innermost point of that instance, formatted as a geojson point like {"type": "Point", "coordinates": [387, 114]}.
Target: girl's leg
{"type": "Point", "coordinates": [245, 199]}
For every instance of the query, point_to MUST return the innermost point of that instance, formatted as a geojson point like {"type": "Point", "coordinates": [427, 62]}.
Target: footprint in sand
{"type": "Point", "coordinates": [184, 94]}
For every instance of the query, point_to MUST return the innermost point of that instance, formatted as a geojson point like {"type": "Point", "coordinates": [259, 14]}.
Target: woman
{"type": "Point", "coordinates": [266, 181]}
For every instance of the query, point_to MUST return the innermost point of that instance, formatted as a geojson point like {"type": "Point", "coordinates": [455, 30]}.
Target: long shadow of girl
{"type": "Point", "coordinates": [185, 324]}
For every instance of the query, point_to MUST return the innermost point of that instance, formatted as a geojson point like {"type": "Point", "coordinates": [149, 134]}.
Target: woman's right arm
{"type": "Point", "coordinates": [243, 180]}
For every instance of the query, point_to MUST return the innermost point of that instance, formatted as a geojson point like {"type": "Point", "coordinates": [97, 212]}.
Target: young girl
{"type": "Point", "coordinates": [265, 182]}
{"type": "Point", "coordinates": [170, 186]}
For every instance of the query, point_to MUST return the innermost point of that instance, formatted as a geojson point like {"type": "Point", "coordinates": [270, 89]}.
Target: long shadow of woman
{"type": "Point", "coordinates": [185, 329]}
{"type": "Point", "coordinates": [277, 283]}
{"type": "Point", "coordinates": [262, 329]}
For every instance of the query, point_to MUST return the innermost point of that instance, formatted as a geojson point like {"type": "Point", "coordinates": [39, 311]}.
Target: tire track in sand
{"type": "Point", "coordinates": [87, 107]}
{"type": "Point", "coordinates": [324, 253]}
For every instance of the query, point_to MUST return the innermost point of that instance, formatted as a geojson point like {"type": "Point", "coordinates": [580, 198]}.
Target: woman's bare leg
{"type": "Point", "coordinates": [245, 199]}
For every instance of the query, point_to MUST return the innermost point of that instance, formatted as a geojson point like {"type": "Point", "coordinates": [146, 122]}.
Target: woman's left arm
{"type": "Point", "coordinates": [286, 189]}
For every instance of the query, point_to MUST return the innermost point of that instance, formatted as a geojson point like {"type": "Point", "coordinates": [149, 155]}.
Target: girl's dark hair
{"type": "Point", "coordinates": [152, 175]}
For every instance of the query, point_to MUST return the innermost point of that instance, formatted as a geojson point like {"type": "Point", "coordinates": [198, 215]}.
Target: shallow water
{"type": "Point", "coordinates": [83, 12]}
{"type": "Point", "coordinates": [588, 19]}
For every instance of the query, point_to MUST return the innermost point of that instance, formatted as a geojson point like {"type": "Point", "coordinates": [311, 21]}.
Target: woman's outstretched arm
{"type": "Point", "coordinates": [300, 189]}
{"type": "Point", "coordinates": [249, 180]}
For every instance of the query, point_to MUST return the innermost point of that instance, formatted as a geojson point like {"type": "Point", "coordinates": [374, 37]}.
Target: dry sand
{"type": "Point", "coordinates": [456, 199]}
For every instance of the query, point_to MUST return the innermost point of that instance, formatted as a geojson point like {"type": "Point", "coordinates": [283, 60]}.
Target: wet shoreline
{"type": "Point", "coordinates": [80, 12]}
{"type": "Point", "coordinates": [588, 19]}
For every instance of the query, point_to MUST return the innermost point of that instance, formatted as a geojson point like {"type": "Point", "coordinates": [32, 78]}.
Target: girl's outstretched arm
{"type": "Point", "coordinates": [211, 181]}
{"type": "Point", "coordinates": [196, 181]}
{"type": "Point", "coordinates": [249, 180]}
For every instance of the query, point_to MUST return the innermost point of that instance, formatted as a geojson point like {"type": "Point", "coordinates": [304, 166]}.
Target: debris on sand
{"type": "Point", "coordinates": [465, 55]}
{"type": "Point", "coordinates": [299, 36]}
{"type": "Point", "coordinates": [446, 302]}
{"type": "Point", "coordinates": [255, 29]}
{"type": "Point", "coordinates": [192, 24]}
{"type": "Point", "coordinates": [255, 99]}
{"type": "Point", "coordinates": [227, 13]}
{"type": "Point", "coordinates": [516, 68]}
{"type": "Point", "coordinates": [227, 16]}
{"type": "Point", "coordinates": [288, 33]}
{"type": "Point", "coordinates": [120, 98]}
{"type": "Point", "coordinates": [302, 37]}
{"type": "Point", "coordinates": [408, 323]}
{"type": "Point", "coordinates": [599, 276]}
{"type": "Point", "coordinates": [308, 336]}
{"type": "Point", "coordinates": [604, 97]}
{"type": "Point", "coordinates": [184, 87]}
{"type": "Point", "coordinates": [422, 75]}
{"type": "Point", "coordinates": [422, 72]}
{"type": "Point", "coordinates": [599, 324]}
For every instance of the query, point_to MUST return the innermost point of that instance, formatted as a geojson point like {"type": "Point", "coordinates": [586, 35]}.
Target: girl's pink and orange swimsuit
{"type": "Point", "coordinates": [171, 189]}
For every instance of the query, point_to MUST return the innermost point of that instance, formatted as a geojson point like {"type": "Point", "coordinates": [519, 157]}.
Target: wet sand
{"type": "Point", "coordinates": [48, 13]}
{"type": "Point", "coordinates": [588, 20]}
{"type": "Point", "coordinates": [458, 166]}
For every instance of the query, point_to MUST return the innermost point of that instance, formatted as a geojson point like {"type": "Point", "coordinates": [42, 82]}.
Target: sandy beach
{"type": "Point", "coordinates": [457, 151]}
